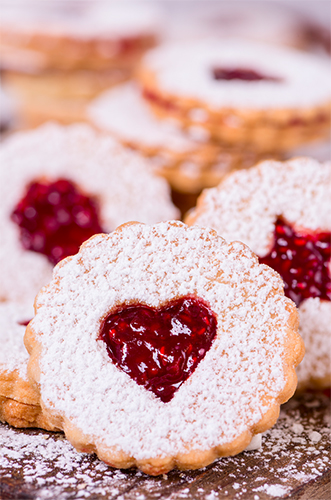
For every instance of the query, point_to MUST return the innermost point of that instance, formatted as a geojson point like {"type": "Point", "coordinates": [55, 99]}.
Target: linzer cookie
{"type": "Point", "coordinates": [189, 161]}
{"type": "Point", "coordinates": [59, 186]}
{"type": "Point", "coordinates": [240, 92]}
{"type": "Point", "coordinates": [163, 346]}
{"type": "Point", "coordinates": [282, 211]}
{"type": "Point", "coordinates": [19, 402]}
{"type": "Point", "coordinates": [55, 58]}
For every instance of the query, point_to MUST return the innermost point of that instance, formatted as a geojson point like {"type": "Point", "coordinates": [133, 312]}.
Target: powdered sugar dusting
{"type": "Point", "coordinates": [152, 265]}
{"type": "Point", "coordinates": [245, 207]}
{"type": "Point", "coordinates": [51, 468]}
{"type": "Point", "coordinates": [13, 355]}
{"type": "Point", "coordinates": [185, 70]}
{"type": "Point", "coordinates": [120, 180]}
{"type": "Point", "coordinates": [247, 203]}
{"type": "Point", "coordinates": [315, 321]}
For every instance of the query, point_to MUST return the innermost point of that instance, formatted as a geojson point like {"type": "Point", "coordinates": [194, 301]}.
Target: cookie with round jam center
{"type": "Point", "coordinates": [55, 218]}
{"type": "Point", "coordinates": [302, 261]}
{"type": "Point", "coordinates": [160, 348]}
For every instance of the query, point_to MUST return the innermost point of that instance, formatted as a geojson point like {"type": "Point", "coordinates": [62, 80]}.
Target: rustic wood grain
{"type": "Point", "coordinates": [294, 462]}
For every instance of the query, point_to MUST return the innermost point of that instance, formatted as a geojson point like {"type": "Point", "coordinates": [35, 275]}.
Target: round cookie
{"type": "Point", "coordinates": [282, 212]}
{"type": "Point", "coordinates": [240, 92]}
{"type": "Point", "coordinates": [58, 186]}
{"type": "Point", "coordinates": [189, 161]}
{"type": "Point", "coordinates": [19, 402]}
{"type": "Point", "coordinates": [163, 346]}
{"type": "Point", "coordinates": [55, 58]}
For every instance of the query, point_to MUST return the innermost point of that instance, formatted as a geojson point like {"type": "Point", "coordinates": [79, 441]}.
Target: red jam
{"type": "Point", "coordinates": [163, 102]}
{"type": "Point", "coordinates": [160, 348]}
{"type": "Point", "coordinates": [55, 219]}
{"type": "Point", "coordinates": [245, 74]}
{"type": "Point", "coordinates": [302, 261]}
{"type": "Point", "coordinates": [24, 322]}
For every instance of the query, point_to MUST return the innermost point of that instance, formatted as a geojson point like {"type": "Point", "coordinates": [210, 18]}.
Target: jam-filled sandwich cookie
{"type": "Point", "coordinates": [59, 186]}
{"type": "Point", "coordinates": [163, 346]}
{"type": "Point", "coordinates": [264, 96]}
{"type": "Point", "coordinates": [55, 60]}
{"type": "Point", "coordinates": [19, 402]}
{"type": "Point", "coordinates": [282, 212]}
{"type": "Point", "coordinates": [188, 160]}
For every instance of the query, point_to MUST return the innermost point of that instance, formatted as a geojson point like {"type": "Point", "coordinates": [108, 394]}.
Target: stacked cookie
{"type": "Point", "coordinates": [56, 57]}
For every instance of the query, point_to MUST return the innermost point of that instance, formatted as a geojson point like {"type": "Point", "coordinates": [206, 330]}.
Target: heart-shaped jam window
{"type": "Point", "coordinates": [302, 260]}
{"type": "Point", "coordinates": [55, 218]}
{"type": "Point", "coordinates": [160, 348]}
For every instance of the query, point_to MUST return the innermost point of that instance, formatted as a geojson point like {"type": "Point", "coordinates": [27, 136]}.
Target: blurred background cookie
{"type": "Point", "coordinates": [55, 56]}
{"type": "Point", "coordinates": [240, 92]}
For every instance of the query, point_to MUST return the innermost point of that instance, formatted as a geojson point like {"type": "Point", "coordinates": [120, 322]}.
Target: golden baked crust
{"type": "Point", "coordinates": [234, 392]}
{"type": "Point", "coordinates": [23, 415]}
{"type": "Point", "coordinates": [264, 130]}
{"type": "Point", "coordinates": [19, 402]}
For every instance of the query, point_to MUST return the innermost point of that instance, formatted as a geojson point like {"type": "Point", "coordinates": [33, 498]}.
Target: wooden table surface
{"type": "Point", "coordinates": [294, 462]}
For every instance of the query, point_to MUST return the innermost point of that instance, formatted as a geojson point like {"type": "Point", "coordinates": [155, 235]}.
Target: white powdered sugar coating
{"type": "Point", "coordinates": [224, 397]}
{"type": "Point", "coordinates": [13, 355]}
{"type": "Point", "coordinates": [315, 324]}
{"type": "Point", "coordinates": [121, 181]}
{"type": "Point", "coordinates": [123, 112]}
{"type": "Point", "coordinates": [185, 70]}
{"type": "Point", "coordinates": [245, 206]}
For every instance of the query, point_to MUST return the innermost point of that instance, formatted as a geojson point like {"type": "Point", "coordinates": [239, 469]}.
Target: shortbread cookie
{"type": "Point", "coordinates": [241, 92]}
{"type": "Point", "coordinates": [97, 37]}
{"type": "Point", "coordinates": [189, 161]}
{"type": "Point", "coordinates": [19, 402]}
{"type": "Point", "coordinates": [282, 211]}
{"type": "Point", "coordinates": [56, 59]}
{"type": "Point", "coordinates": [163, 346]}
{"type": "Point", "coordinates": [59, 186]}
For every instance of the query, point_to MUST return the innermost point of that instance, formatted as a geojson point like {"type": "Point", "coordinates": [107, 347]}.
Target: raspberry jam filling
{"type": "Point", "coordinates": [163, 102]}
{"type": "Point", "coordinates": [245, 74]}
{"type": "Point", "coordinates": [160, 348]}
{"type": "Point", "coordinates": [302, 261]}
{"type": "Point", "coordinates": [55, 219]}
